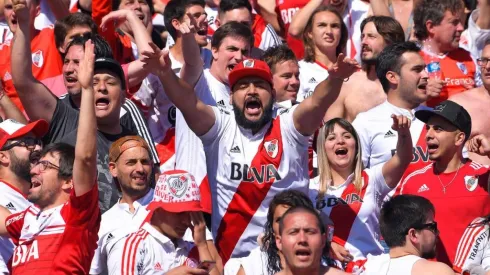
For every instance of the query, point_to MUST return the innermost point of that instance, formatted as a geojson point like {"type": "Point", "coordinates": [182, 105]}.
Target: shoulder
{"type": "Point", "coordinates": [424, 266]}
{"type": "Point", "coordinates": [460, 54]}
{"type": "Point", "coordinates": [467, 95]}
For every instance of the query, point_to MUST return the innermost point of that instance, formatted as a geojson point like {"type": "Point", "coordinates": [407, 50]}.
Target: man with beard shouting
{"type": "Point", "coordinates": [18, 143]}
{"type": "Point", "coordinates": [250, 154]}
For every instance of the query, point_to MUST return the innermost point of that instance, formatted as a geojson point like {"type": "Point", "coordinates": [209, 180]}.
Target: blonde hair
{"type": "Point", "coordinates": [324, 169]}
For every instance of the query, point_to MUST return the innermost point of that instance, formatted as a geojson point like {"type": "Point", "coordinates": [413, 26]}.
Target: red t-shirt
{"type": "Point", "coordinates": [46, 62]}
{"type": "Point", "coordinates": [61, 240]}
{"type": "Point", "coordinates": [466, 198]}
{"type": "Point", "coordinates": [285, 10]}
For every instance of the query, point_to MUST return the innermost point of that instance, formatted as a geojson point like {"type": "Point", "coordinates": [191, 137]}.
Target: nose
{"type": "Point", "coordinates": [238, 56]}
{"type": "Point", "coordinates": [101, 87]}
{"type": "Point", "coordinates": [363, 40]}
{"type": "Point", "coordinates": [460, 27]}
{"type": "Point", "coordinates": [302, 237]}
{"type": "Point", "coordinates": [139, 167]}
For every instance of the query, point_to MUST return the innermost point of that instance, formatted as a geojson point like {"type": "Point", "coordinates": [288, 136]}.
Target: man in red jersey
{"type": "Point", "coordinates": [58, 234]}
{"type": "Point", "coordinates": [46, 61]}
{"type": "Point", "coordinates": [457, 186]}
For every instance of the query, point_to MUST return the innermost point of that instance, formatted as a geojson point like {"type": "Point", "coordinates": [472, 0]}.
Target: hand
{"type": "Point", "coordinates": [159, 6]}
{"type": "Point", "coordinates": [21, 10]}
{"type": "Point", "coordinates": [118, 17]}
{"type": "Point", "coordinates": [343, 68]}
{"type": "Point", "coordinates": [156, 61]}
{"type": "Point", "coordinates": [479, 144]}
{"type": "Point", "coordinates": [401, 124]}
{"type": "Point", "coordinates": [434, 87]}
{"type": "Point", "coordinates": [185, 270]}
{"type": "Point", "coordinates": [189, 25]}
{"type": "Point", "coordinates": [198, 228]}
{"type": "Point", "coordinates": [85, 71]}
{"type": "Point", "coordinates": [340, 253]}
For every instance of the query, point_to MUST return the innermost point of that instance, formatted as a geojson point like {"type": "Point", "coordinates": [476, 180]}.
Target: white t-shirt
{"type": "Point", "coordinates": [473, 38]}
{"type": "Point", "coordinates": [382, 264]}
{"type": "Point", "coordinates": [244, 166]}
{"type": "Point", "coordinates": [310, 75]}
{"type": "Point", "coordinates": [474, 247]}
{"type": "Point", "coordinates": [5, 33]}
{"type": "Point", "coordinates": [12, 199]}
{"type": "Point", "coordinates": [46, 17]}
{"type": "Point", "coordinates": [355, 214]}
{"type": "Point", "coordinates": [353, 17]}
{"type": "Point", "coordinates": [148, 251]}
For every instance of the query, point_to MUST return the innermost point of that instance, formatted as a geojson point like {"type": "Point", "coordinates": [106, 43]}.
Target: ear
{"type": "Point", "coordinates": [460, 138]}
{"type": "Point", "coordinates": [429, 26]}
{"type": "Point", "coordinates": [217, 22]}
{"type": "Point", "coordinates": [67, 185]}
{"type": "Point", "coordinates": [278, 242]}
{"type": "Point", "coordinates": [38, 9]}
{"type": "Point", "coordinates": [393, 77]}
{"type": "Point", "coordinates": [215, 51]}
{"type": "Point", "coordinates": [112, 169]}
{"type": "Point", "coordinates": [413, 236]}
{"type": "Point", "coordinates": [176, 24]}
{"type": "Point", "coordinates": [4, 158]}
{"type": "Point", "coordinates": [324, 239]}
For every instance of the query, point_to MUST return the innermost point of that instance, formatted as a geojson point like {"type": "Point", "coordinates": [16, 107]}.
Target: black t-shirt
{"type": "Point", "coordinates": [63, 128]}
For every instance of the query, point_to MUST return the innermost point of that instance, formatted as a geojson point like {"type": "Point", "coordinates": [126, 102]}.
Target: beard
{"type": "Point", "coordinates": [20, 167]}
{"type": "Point", "coordinates": [255, 126]}
{"type": "Point", "coordinates": [431, 254]}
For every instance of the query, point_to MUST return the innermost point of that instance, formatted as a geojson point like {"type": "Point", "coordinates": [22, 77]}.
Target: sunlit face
{"type": "Point", "coordinates": [19, 156]}
{"type": "Point", "coordinates": [70, 68]}
{"type": "Point", "coordinates": [372, 44]}
{"type": "Point", "coordinates": [46, 185]}
{"type": "Point", "coordinates": [10, 17]}
{"type": "Point", "coordinates": [241, 15]}
{"type": "Point", "coordinates": [108, 96]}
{"type": "Point", "coordinates": [285, 80]}
{"type": "Point", "coordinates": [231, 52]}
{"type": "Point", "coordinates": [340, 147]}
{"type": "Point", "coordinates": [140, 7]}
{"type": "Point", "coordinates": [200, 16]}
{"type": "Point", "coordinates": [301, 241]}
{"type": "Point", "coordinates": [252, 96]}
{"type": "Point", "coordinates": [278, 212]}
{"type": "Point", "coordinates": [175, 224]}
{"type": "Point", "coordinates": [413, 79]}
{"type": "Point", "coordinates": [326, 31]}
{"type": "Point", "coordinates": [74, 32]}
{"type": "Point", "coordinates": [448, 33]}
{"type": "Point", "coordinates": [442, 139]}
{"type": "Point", "coordinates": [485, 69]}
{"type": "Point", "coordinates": [133, 170]}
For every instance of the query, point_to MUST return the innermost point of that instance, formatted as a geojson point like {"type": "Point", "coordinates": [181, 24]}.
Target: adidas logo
{"type": "Point", "coordinates": [110, 236]}
{"type": "Point", "coordinates": [157, 267]}
{"type": "Point", "coordinates": [221, 103]}
{"type": "Point", "coordinates": [7, 77]}
{"type": "Point", "coordinates": [10, 206]}
{"type": "Point", "coordinates": [423, 188]}
{"type": "Point", "coordinates": [312, 80]}
{"type": "Point", "coordinates": [389, 134]}
{"type": "Point", "coordinates": [235, 149]}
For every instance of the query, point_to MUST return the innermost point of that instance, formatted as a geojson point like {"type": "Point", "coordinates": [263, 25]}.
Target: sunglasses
{"type": "Point", "coordinates": [432, 226]}
{"type": "Point", "coordinates": [29, 143]}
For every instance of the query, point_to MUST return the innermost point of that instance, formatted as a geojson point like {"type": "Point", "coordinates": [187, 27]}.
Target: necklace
{"type": "Point", "coordinates": [447, 185]}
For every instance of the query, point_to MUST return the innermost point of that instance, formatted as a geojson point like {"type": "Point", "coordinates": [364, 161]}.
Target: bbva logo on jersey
{"type": "Point", "coordinates": [23, 253]}
{"type": "Point", "coordinates": [251, 174]}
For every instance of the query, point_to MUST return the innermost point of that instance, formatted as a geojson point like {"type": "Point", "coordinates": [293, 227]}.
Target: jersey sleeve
{"type": "Point", "coordinates": [14, 224]}
{"type": "Point", "coordinates": [377, 179]}
{"type": "Point", "coordinates": [216, 132]}
{"type": "Point", "coordinates": [475, 36]}
{"type": "Point", "coordinates": [96, 266]}
{"type": "Point", "coordinates": [83, 210]}
{"type": "Point", "coordinates": [473, 248]}
{"type": "Point", "coordinates": [361, 127]}
{"type": "Point", "coordinates": [288, 128]}
{"type": "Point", "coordinates": [269, 38]}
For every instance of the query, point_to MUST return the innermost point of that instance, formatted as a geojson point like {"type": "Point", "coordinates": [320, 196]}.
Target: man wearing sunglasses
{"type": "Point", "coordinates": [18, 144]}
{"type": "Point", "coordinates": [476, 102]}
{"type": "Point", "coordinates": [410, 231]}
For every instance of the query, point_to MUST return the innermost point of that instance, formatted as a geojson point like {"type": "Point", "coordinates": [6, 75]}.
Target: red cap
{"type": "Point", "coordinates": [176, 191]}
{"type": "Point", "coordinates": [250, 67]}
{"type": "Point", "coordinates": [11, 129]}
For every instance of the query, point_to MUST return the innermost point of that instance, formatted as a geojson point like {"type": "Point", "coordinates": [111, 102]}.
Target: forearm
{"type": "Point", "coordinates": [4, 214]}
{"type": "Point", "coordinates": [193, 64]}
{"type": "Point", "coordinates": [136, 73]}
{"type": "Point", "coordinates": [11, 110]}
{"type": "Point", "coordinates": [483, 21]}
{"type": "Point", "coordinates": [301, 17]}
{"type": "Point", "coordinates": [380, 8]}
{"type": "Point", "coordinates": [394, 168]}
{"type": "Point", "coordinates": [21, 62]}
{"type": "Point", "coordinates": [141, 36]}
{"type": "Point", "coordinates": [205, 255]}
{"type": "Point", "coordinates": [267, 9]}
{"type": "Point", "coordinates": [60, 8]}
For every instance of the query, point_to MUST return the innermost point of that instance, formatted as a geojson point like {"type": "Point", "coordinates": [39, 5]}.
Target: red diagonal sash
{"type": "Point", "coordinates": [248, 196]}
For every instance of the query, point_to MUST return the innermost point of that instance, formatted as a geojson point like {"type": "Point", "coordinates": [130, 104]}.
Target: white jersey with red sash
{"type": "Point", "coordinates": [311, 74]}
{"type": "Point", "coordinates": [474, 247]}
{"type": "Point", "coordinates": [248, 170]}
{"type": "Point", "coordinates": [355, 214]}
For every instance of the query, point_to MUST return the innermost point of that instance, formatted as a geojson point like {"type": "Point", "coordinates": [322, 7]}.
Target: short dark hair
{"type": "Point", "coordinates": [101, 47]}
{"type": "Point", "coordinates": [63, 26]}
{"type": "Point", "coordinates": [302, 209]}
{"type": "Point", "coordinates": [228, 5]}
{"type": "Point", "coordinates": [401, 213]}
{"type": "Point", "coordinates": [432, 10]}
{"type": "Point", "coordinates": [116, 3]}
{"type": "Point", "coordinates": [175, 9]}
{"type": "Point", "coordinates": [291, 198]}
{"type": "Point", "coordinates": [277, 54]}
{"type": "Point", "coordinates": [388, 27]}
{"type": "Point", "coordinates": [390, 59]}
{"type": "Point", "coordinates": [308, 42]}
{"type": "Point", "coordinates": [66, 153]}
{"type": "Point", "coordinates": [232, 29]}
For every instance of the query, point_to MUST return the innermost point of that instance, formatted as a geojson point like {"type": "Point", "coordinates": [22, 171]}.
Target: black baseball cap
{"type": "Point", "coordinates": [450, 111]}
{"type": "Point", "coordinates": [113, 66]}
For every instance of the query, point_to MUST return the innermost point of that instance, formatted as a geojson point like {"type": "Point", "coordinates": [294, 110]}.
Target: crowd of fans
{"type": "Point", "coordinates": [245, 137]}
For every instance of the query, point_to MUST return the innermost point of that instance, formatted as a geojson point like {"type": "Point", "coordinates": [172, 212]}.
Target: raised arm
{"type": "Point", "coordinates": [60, 8]}
{"type": "Point", "coordinates": [310, 112]}
{"type": "Point", "coordinates": [38, 101]}
{"type": "Point", "coordinates": [199, 116]}
{"type": "Point", "coordinates": [480, 145]}
{"type": "Point", "coordinates": [301, 17]}
{"type": "Point", "coordinates": [483, 21]}
{"type": "Point", "coordinates": [380, 7]}
{"type": "Point", "coordinates": [394, 168]}
{"type": "Point", "coordinates": [193, 64]}
{"type": "Point", "coordinates": [85, 165]}
{"type": "Point", "coordinates": [267, 9]}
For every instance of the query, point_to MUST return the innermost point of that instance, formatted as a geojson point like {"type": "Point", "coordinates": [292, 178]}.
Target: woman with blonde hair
{"type": "Point", "coordinates": [351, 195]}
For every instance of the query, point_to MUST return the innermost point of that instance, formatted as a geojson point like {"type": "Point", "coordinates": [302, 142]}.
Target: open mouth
{"type": "Point", "coordinates": [141, 178]}
{"type": "Point", "coordinates": [202, 32]}
{"type": "Point", "coordinates": [35, 183]}
{"type": "Point", "coordinates": [102, 103]}
{"type": "Point", "coordinates": [230, 67]}
{"type": "Point", "coordinates": [422, 86]}
{"type": "Point", "coordinates": [141, 17]}
{"type": "Point", "coordinates": [71, 79]}
{"type": "Point", "coordinates": [431, 148]}
{"type": "Point", "coordinates": [253, 106]}
{"type": "Point", "coordinates": [341, 152]}
{"type": "Point", "coordinates": [303, 254]}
